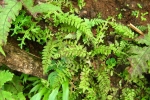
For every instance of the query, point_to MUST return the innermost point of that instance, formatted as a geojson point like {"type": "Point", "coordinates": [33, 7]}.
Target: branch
{"type": "Point", "coordinates": [21, 61]}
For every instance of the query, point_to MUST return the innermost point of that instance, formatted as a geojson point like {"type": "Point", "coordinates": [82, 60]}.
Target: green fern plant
{"type": "Point", "coordinates": [10, 86]}
{"type": "Point", "coordinates": [9, 11]}
{"type": "Point", "coordinates": [128, 94]}
{"type": "Point", "coordinates": [140, 56]}
{"type": "Point", "coordinates": [76, 56]}
{"type": "Point", "coordinates": [49, 89]}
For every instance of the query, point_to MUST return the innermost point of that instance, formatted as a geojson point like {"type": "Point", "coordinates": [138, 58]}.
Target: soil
{"type": "Point", "coordinates": [112, 8]}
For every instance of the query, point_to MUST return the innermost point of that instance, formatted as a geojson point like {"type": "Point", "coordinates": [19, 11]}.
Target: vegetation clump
{"type": "Point", "coordinates": [84, 59]}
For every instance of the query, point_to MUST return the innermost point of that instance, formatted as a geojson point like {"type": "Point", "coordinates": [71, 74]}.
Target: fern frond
{"type": "Point", "coordinates": [73, 50]}
{"type": "Point", "coordinates": [53, 79]}
{"type": "Point", "coordinates": [139, 60]}
{"type": "Point", "coordinates": [122, 30]}
{"type": "Point", "coordinates": [96, 21]}
{"type": "Point", "coordinates": [68, 29]}
{"type": "Point", "coordinates": [101, 29]}
{"type": "Point", "coordinates": [102, 49]}
{"type": "Point", "coordinates": [5, 77]}
{"type": "Point", "coordinates": [146, 39]}
{"type": "Point", "coordinates": [8, 14]}
{"type": "Point", "coordinates": [2, 51]}
{"type": "Point", "coordinates": [142, 28]}
{"type": "Point", "coordinates": [128, 94]}
{"type": "Point", "coordinates": [74, 21]}
{"type": "Point", "coordinates": [141, 55]}
{"type": "Point", "coordinates": [84, 77]}
{"type": "Point", "coordinates": [49, 53]}
{"type": "Point", "coordinates": [104, 84]}
{"type": "Point", "coordinates": [40, 8]}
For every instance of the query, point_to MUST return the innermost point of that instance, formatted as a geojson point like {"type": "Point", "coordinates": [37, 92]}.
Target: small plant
{"type": "Point", "coordinates": [143, 16]}
{"type": "Point", "coordinates": [119, 16]}
{"type": "Point", "coordinates": [139, 5]}
{"type": "Point", "coordinates": [81, 3]}
{"type": "Point", "coordinates": [135, 13]}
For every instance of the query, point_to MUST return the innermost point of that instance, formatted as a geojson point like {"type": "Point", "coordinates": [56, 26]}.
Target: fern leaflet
{"type": "Point", "coordinates": [139, 60]}
{"type": "Point", "coordinates": [7, 76]}
{"type": "Point", "coordinates": [8, 14]}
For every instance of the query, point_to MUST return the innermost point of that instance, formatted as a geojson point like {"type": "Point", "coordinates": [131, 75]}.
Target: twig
{"type": "Point", "coordinates": [135, 29]}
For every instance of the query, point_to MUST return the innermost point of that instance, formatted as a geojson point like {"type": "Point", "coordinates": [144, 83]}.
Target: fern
{"type": "Point", "coordinates": [101, 29]}
{"type": "Point", "coordinates": [84, 77]}
{"type": "Point", "coordinates": [73, 50]}
{"type": "Point", "coordinates": [139, 60]}
{"type": "Point", "coordinates": [7, 76]}
{"type": "Point", "coordinates": [45, 90]}
{"type": "Point", "coordinates": [10, 86]}
{"type": "Point", "coordinates": [102, 49]}
{"type": "Point", "coordinates": [141, 56]}
{"type": "Point", "coordinates": [145, 39]}
{"type": "Point", "coordinates": [97, 21]}
{"type": "Point", "coordinates": [128, 94]}
{"type": "Point", "coordinates": [142, 28]}
{"type": "Point", "coordinates": [40, 8]}
{"type": "Point", "coordinates": [81, 3]}
{"type": "Point", "coordinates": [49, 52]}
{"type": "Point", "coordinates": [104, 84]}
{"type": "Point", "coordinates": [75, 21]}
{"type": "Point", "coordinates": [8, 14]}
{"type": "Point", "coordinates": [122, 30]}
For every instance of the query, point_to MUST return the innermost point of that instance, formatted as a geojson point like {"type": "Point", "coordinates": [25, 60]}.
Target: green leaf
{"type": "Point", "coordinates": [5, 76]}
{"type": "Point", "coordinates": [36, 88]}
{"type": "Point", "coordinates": [8, 14]}
{"type": "Point", "coordinates": [14, 86]}
{"type": "Point", "coordinates": [36, 97]}
{"type": "Point", "coordinates": [2, 51]}
{"type": "Point", "coordinates": [65, 87]}
{"type": "Point", "coordinates": [21, 96]}
{"type": "Point", "coordinates": [139, 60]}
{"type": "Point", "coordinates": [28, 3]}
{"type": "Point", "coordinates": [5, 95]}
{"type": "Point", "coordinates": [45, 7]}
{"type": "Point", "coordinates": [145, 39]}
{"type": "Point", "coordinates": [54, 93]}
{"type": "Point", "coordinates": [111, 62]}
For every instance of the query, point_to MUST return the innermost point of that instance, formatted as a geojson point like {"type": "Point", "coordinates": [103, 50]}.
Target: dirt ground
{"type": "Point", "coordinates": [114, 7]}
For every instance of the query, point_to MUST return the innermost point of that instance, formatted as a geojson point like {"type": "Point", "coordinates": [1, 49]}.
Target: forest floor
{"type": "Point", "coordinates": [124, 11]}
{"type": "Point", "coordinates": [136, 12]}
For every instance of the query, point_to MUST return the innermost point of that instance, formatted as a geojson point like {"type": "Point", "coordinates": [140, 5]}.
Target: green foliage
{"type": "Point", "coordinates": [7, 76]}
{"type": "Point", "coordinates": [10, 86]}
{"type": "Point", "coordinates": [143, 16]}
{"type": "Point", "coordinates": [8, 13]}
{"type": "Point", "coordinates": [135, 13]}
{"type": "Point", "coordinates": [80, 56]}
{"type": "Point", "coordinates": [104, 84]}
{"type": "Point", "coordinates": [139, 60]}
{"type": "Point", "coordinates": [122, 30]}
{"type": "Point", "coordinates": [141, 56]}
{"type": "Point", "coordinates": [39, 8]}
{"type": "Point", "coordinates": [128, 94]}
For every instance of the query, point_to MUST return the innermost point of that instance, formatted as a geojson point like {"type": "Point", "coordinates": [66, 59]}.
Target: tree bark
{"type": "Point", "coordinates": [21, 61]}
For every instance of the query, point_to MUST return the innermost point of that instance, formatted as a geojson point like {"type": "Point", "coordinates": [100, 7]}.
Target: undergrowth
{"type": "Point", "coordinates": [84, 59]}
